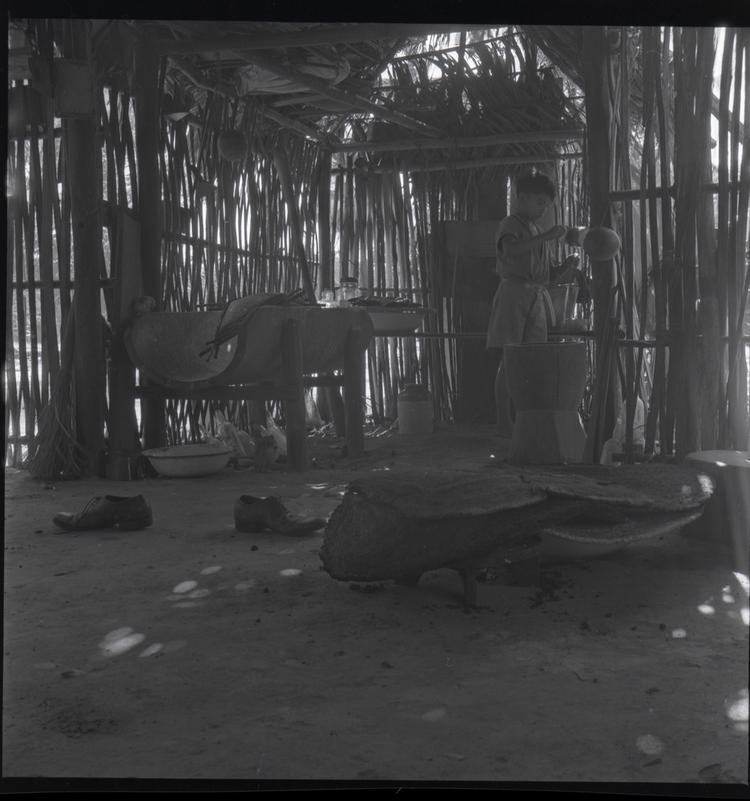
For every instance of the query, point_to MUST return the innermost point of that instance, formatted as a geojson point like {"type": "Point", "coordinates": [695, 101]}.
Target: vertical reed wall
{"type": "Point", "coordinates": [680, 202]}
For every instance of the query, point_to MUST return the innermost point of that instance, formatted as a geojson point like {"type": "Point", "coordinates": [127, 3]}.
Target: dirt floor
{"type": "Point", "coordinates": [189, 650]}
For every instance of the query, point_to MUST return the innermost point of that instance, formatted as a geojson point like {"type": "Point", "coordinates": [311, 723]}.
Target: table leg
{"type": "Point", "coordinates": [294, 404]}
{"type": "Point", "coordinates": [354, 390]}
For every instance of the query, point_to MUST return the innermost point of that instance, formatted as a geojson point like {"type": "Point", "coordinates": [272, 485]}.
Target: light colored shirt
{"type": "Point", "coordinates": [530, 266]}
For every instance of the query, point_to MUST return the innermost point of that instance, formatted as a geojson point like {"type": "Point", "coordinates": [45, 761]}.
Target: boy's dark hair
{"type": "Point", "coordinates": [536, 184]}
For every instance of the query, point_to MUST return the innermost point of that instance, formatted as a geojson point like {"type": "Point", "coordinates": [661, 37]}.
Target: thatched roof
{"type": "Point", "coordinates": [418, 91]}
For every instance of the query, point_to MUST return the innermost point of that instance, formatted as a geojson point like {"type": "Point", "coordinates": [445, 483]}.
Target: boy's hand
{"type": "Point", "coordinates": [556, 232]}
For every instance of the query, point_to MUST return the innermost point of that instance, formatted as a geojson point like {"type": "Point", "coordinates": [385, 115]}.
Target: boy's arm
{"type": "Point", "coordinates": [512, 246]}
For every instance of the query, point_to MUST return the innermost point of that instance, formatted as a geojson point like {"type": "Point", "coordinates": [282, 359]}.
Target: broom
{"type": "Point", "coordinates": [54, 452]}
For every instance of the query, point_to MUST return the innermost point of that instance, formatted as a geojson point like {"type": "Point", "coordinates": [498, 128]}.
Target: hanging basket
{"type": "Point", "coordinates": [232, 145]}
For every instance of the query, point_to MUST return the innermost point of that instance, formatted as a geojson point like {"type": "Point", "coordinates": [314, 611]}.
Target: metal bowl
{"type": "Point", "coordinates": [395, 322]}
{"type": "Point", "coordinates": [184, 461]}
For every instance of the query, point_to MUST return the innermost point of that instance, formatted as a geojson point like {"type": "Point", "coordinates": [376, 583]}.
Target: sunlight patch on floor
{"type": "Point", "coordinates": [737, 710]}
{"type": "Point", "coordinates": [185, 586]}
{"type": "Point", "coordinates": [119, 641]}
{"type": "Point", "coordinates": [649, 744]}
{"type": "Point", "coordinates": [743, 581]}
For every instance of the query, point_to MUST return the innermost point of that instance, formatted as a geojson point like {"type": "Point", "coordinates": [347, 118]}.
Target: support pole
{"type": "Point", "coordinates": [354, 390]}
{"type": "Point", "coordinates": [123, 426]}
{"type": "Point", "coordinates": [294, 392]}
{"type": "Point", "coordinates": [325, 269]}
{"type": "Point", "coordinates": [331, 395]}
{"type": "Point", "coordinates": [149, 210]}
{"type": "Point", "coordinates": [598, 122]}
{"type": "Point", "coordinates": [85, 191]}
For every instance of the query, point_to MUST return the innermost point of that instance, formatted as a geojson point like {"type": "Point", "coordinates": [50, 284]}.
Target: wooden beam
{"type": "Point", "coordinates": [469, 165]}
{"type": "Point", "coordinates": [508, 138]}
{"type": "Point", "coordinates": [296, 126]}
{"type": "Point", "coordinates": [322, 34]}
{"type": "Point", "coordinates": [228, 91]}
{"type": "Point", "coordinates": [645, 194]}
{"type": "Point", "coordinates": [352, 100]}
{"type": "Point", "coordinates": [671, 191]}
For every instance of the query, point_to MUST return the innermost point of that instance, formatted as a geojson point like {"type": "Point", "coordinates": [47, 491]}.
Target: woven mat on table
{"type": "Point", "coordinates": [239, 311]}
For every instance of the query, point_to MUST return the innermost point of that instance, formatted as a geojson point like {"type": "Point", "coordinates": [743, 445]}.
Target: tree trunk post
{"type": "Point", "coordinates": [598, 122]}
{"type": "Point", "coordinates": [294, 392]}
{"type": "Point", "coordinates": [85, 192]}
{"type": "Point", "coordinates": [149, 211]}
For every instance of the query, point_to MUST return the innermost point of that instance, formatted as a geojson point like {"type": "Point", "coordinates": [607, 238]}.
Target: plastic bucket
{"type": "Point", "coordinates": [415, 412]}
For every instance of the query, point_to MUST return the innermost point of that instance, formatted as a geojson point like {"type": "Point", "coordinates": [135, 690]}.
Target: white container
{"type": "Point", "coordinates": [415, 412]}
{"type": "Point", "coordinates": [348, 290]}
{"type": "Point", "coordinates": [184, 461]}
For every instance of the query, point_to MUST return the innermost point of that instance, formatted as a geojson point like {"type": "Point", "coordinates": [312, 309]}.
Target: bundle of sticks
{"type": "Point", "coordinates": [55, 453]}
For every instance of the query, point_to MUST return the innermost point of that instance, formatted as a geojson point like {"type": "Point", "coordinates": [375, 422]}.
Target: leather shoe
{"type": "Point", "coordinates": [259, 514]}
{"type": "Point", "coordinates": [108, 511]}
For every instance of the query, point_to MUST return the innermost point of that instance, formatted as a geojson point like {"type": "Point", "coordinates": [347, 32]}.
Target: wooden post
{"type": "Point", "coordinates": [598, 121]}
{"type": "Point", "coordinates": [722, 254]}
{"type": "Point", "coordinates": [708, 312]}
{"type": "Point", "coordinates": [149, 210]}
{"type": "Point", "coordinates": [354, 391]}
{"type": "Point", "coordinates": [331, 395]}
{"type": "Point", "coordinates": [294, 392]}
{"type": "Point", "coordinates": [123, 427]}
{"type": "Point", "coordinates": [325, 270]}
{"type": "Point", "coordinates": [686, 178]}
{"type": "Point", "coordinates": [667, 289]}
{"type": "Point", "coordinates": [85, 192]}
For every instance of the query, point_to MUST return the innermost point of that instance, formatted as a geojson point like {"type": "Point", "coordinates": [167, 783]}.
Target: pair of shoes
{"type": "Point", "coordinates": [258, 514]}
{"type": "Point", "coordinates": [108, 511]}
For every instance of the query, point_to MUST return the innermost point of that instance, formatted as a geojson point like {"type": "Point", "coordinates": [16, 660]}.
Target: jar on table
{"type": "Point", "coordinates": [348, 290]}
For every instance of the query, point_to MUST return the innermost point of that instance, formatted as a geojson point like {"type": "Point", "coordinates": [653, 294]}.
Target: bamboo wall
{"type": "Point", "coordinates": [683, 270]}
{"type": "Point", "coordinates": [228, 231]}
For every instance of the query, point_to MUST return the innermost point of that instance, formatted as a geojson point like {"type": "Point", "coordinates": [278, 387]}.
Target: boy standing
{"type": "Point", "coordinates": [522, 307]}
